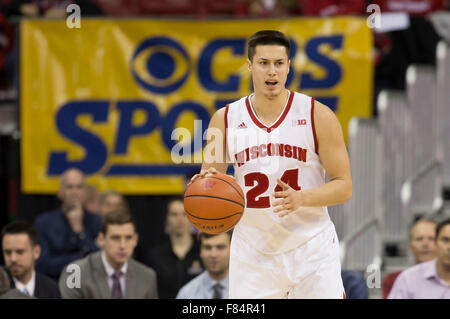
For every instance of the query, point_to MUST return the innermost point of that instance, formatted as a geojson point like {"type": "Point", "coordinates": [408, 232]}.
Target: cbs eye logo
{"type": "Point", "coordinates": [160, 65]}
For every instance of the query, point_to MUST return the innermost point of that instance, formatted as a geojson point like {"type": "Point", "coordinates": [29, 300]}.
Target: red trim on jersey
{"type": "Point", "coordinates": [252, 115]}
{"type": "Point", "coordinates": [344, 296]}
{"type": "Point", "coordinates": [226, 127]}
{"type": "Point", "coordinates": [277, 123]}
{"type": "Point", "coordinates": [316, 146]}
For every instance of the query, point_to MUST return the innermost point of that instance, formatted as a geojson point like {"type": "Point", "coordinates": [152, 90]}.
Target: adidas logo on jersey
{"type": "Point", "coordinates": [242, 125]}
{"type": "Point", "coordinates": [298, 122]}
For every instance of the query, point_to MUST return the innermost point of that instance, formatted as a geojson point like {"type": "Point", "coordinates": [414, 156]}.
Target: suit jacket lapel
{"type": "Point", "coordinates": [37, 286]}
{"type": "Point", "coordinates": [100, 276]}
{"type": "Point", "coordinates": [131, 284]}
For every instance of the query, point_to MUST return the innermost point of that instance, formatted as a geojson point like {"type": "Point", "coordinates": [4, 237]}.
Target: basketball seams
{"type": "Point", "coordinates": [242, 196]}
{"type": "Point", "coordinates": [187, 212]}
{"type": "Point", "coordinates": [227, 207]}
{"type": "Point", "coordinates": [216, 197]}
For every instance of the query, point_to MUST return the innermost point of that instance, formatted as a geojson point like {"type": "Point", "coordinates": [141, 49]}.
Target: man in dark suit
{"type": "Point", "coordinates": [110, 273]}
{"type": "Point", "coordinates": [20, 247]}
{"type": "Point", "coordinates": [68, 233]}
{"type": "Point", "coordinates": [6, 292]}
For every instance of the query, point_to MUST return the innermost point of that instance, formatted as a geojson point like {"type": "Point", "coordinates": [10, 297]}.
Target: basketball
{"type": "Point", "coordinates": [214, 204]}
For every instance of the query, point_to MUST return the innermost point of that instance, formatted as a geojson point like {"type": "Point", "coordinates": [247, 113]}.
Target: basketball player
{"type": "Point", "coordinates": [285, 245]}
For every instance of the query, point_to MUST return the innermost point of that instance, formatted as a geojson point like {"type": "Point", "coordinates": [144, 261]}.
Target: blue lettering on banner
{"type": "Point", "coordinates": [205, 69]}
{"type": "Point", "coordinates": [333, 70]}
{"type": "Point", "coordinates": [127, 130]}
{"type": "Point", "coordinates": [168, 124]}
{"type": "Point", "coordinates": [95, 148]}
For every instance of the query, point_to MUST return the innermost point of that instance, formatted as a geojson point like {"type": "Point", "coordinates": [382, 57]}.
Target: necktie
{"type": "Point", "coordinates": [217, 294]}
{"type": "Point", "coordinates": [116, 292]}
{"type": "Point", "coordinates": [25, 291]}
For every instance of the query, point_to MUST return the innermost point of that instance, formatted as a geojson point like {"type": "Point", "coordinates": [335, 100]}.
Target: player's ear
{"type": "Point", "coordinates": [249, 65]}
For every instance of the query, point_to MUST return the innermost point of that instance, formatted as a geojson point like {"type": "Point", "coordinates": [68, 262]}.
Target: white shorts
{"type": "Point", "coordinates": [313, 270]}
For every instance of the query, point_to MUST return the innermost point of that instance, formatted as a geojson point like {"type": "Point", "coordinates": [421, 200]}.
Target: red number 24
{"type": "Point", "coordinates": [290, 177]}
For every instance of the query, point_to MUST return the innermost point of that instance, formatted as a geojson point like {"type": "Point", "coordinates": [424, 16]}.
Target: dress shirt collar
{"type": "Point", "coordinates": [212, 282]}
{"type": "Point", "coordinates": [110, 270]}
{"type": "Point", "coordinates": [430, 270]}
{"type": "Point", "coordinates": [30, 286]}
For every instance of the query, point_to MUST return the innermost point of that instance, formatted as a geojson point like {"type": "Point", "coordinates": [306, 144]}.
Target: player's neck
{"type": "Point", "coordinates": [269, 108]}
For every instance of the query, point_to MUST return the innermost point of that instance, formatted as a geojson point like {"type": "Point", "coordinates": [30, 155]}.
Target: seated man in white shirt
{"type": "Point", "coordinates": [21, 249]}
{"type": "Point", "coordinates": [213, 282]}
{"type": "Point", "coordinates": [110, 273]}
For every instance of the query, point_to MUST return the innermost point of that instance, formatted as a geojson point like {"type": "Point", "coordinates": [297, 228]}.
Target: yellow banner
{"type": "Point", "coordinates": [107, 97]}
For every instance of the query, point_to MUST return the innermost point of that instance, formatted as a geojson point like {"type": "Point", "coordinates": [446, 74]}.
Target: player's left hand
{"type": "Point", "coordinates": [290, 199]}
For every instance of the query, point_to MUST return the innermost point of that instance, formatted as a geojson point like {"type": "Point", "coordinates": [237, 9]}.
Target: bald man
{"type": "Point", "coordinates": [68, 233]}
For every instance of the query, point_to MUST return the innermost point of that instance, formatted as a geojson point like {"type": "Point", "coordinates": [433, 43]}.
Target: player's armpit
{"type": "Point", "coordinates": [214, 152]}
{"type": "Point", "coordinates": [334, 157]}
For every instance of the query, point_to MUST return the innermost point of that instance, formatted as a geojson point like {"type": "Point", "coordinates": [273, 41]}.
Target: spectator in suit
{"type": "Point", "coordinates": [355, 285]}
{"type": "Point", "coordinates": [177, 260]}
{"type": "Point", "coordinates": [6, 292]}
{"type": "Point", "coordinates": [69, 232]}
{"type": "Point", "coordinates": [430, 279]}
{"type": "Point", "coordinates": [422, 246]}
{"type": "Point", "coordinates": [21, 249]}
{"type": "Point", "coordinates": [112, 273]}
{"type": "Point", "coordinates": [213, 282]}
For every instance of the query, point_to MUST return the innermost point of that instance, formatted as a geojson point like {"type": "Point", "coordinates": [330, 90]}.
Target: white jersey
{"type": "Point", "coordinates": [262, 154]}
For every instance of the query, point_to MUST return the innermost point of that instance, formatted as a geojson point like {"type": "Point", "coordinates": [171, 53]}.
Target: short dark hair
{"type": "Point", "coordinates": [171, 199]}
{"type": "Point", "coordinates": [117, 217]}
{"type": "Point", "coordinates": [175, 198]}
{"type": "Point", "coordinates": [21, 227]}
{"type": "Point", "coordinates": [206, 235]}
{"type": "Point", "coordinates": [441, 225]}
{"type": "Point", "coordinates": [267, 37]}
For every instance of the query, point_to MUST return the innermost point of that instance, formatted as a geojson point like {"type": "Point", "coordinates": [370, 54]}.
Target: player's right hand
{"type": "Point", "coordinates": [202, 174]}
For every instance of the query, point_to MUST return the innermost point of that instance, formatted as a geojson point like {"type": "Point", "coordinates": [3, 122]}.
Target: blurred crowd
{"type": "Point", "coordinates": [85, 249]}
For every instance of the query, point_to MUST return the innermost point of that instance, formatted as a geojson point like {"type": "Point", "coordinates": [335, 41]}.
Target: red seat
{"type": "Point", "coordinates": [168, 7]}
{"type": "Point", "coordinates": [219, 7]}
{"type": "Point", "coordinates": [118, 8]}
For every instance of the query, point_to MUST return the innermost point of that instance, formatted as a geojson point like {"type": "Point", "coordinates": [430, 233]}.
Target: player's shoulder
{"type": "Point", "coordinates": [237, 104]}
{"type": "Point", "coordinates": [219, 115]}
{"type": "Point", "coordinates": [322, 113]}
{"type": "Point", "coordinates": [297, 96]}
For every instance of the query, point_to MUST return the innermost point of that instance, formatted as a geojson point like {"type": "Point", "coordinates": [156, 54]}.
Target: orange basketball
{"type": "Point", "coordinates": [214, 204]}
